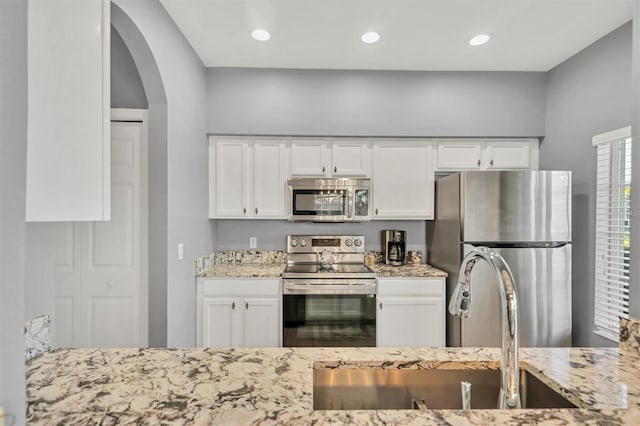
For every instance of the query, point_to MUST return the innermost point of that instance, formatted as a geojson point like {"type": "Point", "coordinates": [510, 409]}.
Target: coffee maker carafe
{"type": "Point", "coordinates": [394, 246]}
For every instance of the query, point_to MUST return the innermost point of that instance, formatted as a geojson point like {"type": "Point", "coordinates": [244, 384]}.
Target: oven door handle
{"type": "Point", "coordinates": [355, 288]}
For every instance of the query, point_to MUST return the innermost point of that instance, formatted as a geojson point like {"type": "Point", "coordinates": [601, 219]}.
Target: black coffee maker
{"type": "Point", "coordinates": [394, 247]}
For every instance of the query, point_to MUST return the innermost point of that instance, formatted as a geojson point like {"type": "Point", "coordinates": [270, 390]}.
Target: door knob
{"type": "Point", "coordinates": [380, 305]}
{"type": "Point", "coordinates": [244, 211]}
{"type": "Point", "coordinates": [335, 169]}
{"type": "Point", "coordinates": [478, 163]}
{"type": "Point", "coordinates": [256, 210]}
{"type": "Point", "coordinates": [322, 169]}
{"type": "Point", "coordinates": [233, 305]}
{"type": "Point", "coordinates": [376, 211]}
{"type": "Point", "coordinates": [491, 162]}
{"type": "Point", "coordinates": [246, 305]}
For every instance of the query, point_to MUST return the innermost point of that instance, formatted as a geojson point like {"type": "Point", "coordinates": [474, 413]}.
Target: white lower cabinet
{"type": "Point", "coordinates": [238, 313]}
{"type": "Point", "coordinates": [411, 312]}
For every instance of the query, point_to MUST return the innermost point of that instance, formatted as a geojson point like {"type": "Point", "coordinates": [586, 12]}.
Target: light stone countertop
{"type": "Point", "coordinates": [412, 270]}
{"type": "Point", "coordinates": [275, 386]}
{"type": "Point", "coordinates": [271, 264]}
{"type": "Point", "coordinates": [244, 270]}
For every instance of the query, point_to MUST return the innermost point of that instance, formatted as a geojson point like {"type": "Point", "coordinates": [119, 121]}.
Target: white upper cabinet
{"type": "Point", "coordinates": [489, 154]}
{"type": "Point", "coordinates": [403, 179]}
{"type": "Point", "coordinates": [459, 155]}
{"type": "Point", "coordinates": [320, 157]}
{"type": "Point", "coordinates": [510, 154]}
{"type": "Point", "coordinates": [68, 149]}
{"type": "Point", "coordinates": [351, 158]}
{"type": "Point", "coordinates": [230, 177]}
{"type": "Point", "coordinates": [270, 171]}
{"type": "Point", "coordinates": [309, 157]}
{"type": "Point", "coordinates": [247, 178]}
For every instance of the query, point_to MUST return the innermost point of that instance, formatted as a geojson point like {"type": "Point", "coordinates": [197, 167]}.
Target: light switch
{"type": "Point", "coordinates": [180, 251]}
{"type": "Point", "coordinates": [253, 242]}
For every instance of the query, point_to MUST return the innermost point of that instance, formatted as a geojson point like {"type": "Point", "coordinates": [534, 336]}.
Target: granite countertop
{"type": "Point", "coordinates": [243, 270]}
{"type": "Point", "coordinates": [271, 264]}
{"type": "Point", "coordinates": [406, 271]}
{"type": "Point", "coordinates": [275, 385]}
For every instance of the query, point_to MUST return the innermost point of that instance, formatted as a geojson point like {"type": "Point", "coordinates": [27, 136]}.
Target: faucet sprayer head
{"type": "Point", "coordinates": [460, 300]}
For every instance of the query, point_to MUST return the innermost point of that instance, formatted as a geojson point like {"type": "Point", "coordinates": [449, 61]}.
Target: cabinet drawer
{"type": "Point", "coordinates": [411, 286]}
{"type": "Point", "coordinates": [240, 287]}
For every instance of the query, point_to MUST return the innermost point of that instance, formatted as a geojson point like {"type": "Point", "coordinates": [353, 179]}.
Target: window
{"type": "Point", "coordinates": [613, 214]}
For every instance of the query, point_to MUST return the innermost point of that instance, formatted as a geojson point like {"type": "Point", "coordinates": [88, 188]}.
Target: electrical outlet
{"type": "Point", "coordinates": [180, 251]}
{"type": "Point", "coordinates": [253, 242]}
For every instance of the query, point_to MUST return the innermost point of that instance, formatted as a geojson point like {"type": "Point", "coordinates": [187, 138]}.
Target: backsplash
{"type": "Point", "coordinates": [413, 257]}
{"type": "Point", "coordinates": [630, 336]}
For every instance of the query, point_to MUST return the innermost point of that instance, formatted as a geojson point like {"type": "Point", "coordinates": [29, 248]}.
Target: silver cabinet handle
{"type": "Point", "coordinates": [244, 211]}
{"type": "Point", "coordinates": [246, 305]}
{"type": "Point", "coordinates": [233, 305]}
{"type": "Point", "coordinates": [478, 163]}
{"type": "Point", "coordinates": [322, 169]}
{"type": "Point", "coordinates": [256, 210]}
{"type": "Point", "coordinates": [491, 162]}
{"type": "Point", "coordinates": [335, 169]}
{"type": "Point", "coordinates": [380, 305]}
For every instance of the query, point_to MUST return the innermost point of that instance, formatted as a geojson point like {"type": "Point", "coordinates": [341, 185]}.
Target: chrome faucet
{"type": "Point", "coordinates": [460, 303]}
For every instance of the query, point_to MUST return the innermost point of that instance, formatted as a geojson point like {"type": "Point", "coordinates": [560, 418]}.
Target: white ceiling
{"type": "Point", "coordinates": [527, 35]}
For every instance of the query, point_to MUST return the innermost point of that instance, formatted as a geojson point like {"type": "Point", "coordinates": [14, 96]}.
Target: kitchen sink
{"type": "Point", "coordinates": [388, 389]}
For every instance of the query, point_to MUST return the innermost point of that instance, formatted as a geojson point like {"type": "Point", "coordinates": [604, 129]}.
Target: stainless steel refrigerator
{"type": "Point", "coordinates": [526, 217]}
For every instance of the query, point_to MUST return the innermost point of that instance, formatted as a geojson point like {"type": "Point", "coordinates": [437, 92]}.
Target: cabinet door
{"type": "Point", "coordinates": [309, 158]}
{"type": "Point", "coordinates": [220, 322]}
{"type": "Point", "coordinates": [262, 327]}
{"type": "Point", "coordinates": [459, 155]}
{"type": "Point", "coordinates": [410, 321]}
{"type": "Point", "coordinates": [68, 148]}
{"type": "Point", "coordinates": [270, 170]}
{"type": "Point", "coordinates": [351, 158]}
{"type": "Point", "coordinates": [403, 180]}
{"type": "Point", "coordinates": [231, 172]}
{"type": "Point", "coordinates": [508, 154]}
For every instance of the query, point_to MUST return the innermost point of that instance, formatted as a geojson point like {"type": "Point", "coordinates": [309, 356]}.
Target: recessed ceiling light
{"type": "Point", "coordinates": [260, 35]}
{"type": "Point", "coordinates": [370, 37]}
{"type": "Point", "coordinates": [479, 40]}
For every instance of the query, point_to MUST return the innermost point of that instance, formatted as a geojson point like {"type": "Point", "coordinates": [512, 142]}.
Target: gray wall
{"type": "Point", "coordinates": [184, 81]}
{"type": "Point", "coordinates": [588, 94]}
{"type": "Point", "coordinates": [40, 269]}
{"type": "Point", "coordinates": [127, 90]}
{"type": "Point", "coordinates": [13, 145]}
{"type": "Point", "coordinates": [271, 234]}
{"type": "Point", "coordinates": [375, 103]}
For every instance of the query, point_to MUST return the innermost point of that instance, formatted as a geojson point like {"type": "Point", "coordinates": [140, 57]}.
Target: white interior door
{"type": "Point", "coordinates": [101, 277]}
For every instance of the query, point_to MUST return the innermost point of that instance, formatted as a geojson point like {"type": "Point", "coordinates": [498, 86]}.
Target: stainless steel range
{"type": "Point", "coordinates": [329, 294]}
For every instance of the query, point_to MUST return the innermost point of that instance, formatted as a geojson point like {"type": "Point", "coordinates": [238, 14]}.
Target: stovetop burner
{"type": "Point", "coordinates": [337, 270]}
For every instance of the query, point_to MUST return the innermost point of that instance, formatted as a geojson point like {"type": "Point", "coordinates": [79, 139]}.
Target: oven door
{"type": "Point", "coordinates": [326, 317]}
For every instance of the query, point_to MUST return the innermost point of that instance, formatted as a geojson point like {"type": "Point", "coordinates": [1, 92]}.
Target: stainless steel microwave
{"type": "Point", "coordinates": [329, 199]}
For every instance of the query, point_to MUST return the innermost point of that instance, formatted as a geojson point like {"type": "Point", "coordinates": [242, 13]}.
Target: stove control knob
{"type": "Point", "coordinates": [348, 243]}
{"type": "Point", "coordinates": [294, 243]}
{"type": "Point", "coordinates": [303, 243]}
{"type": "Point", "coordinates": [358, 243]}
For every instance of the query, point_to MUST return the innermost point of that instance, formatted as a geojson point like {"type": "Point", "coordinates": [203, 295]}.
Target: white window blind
{"type": "Point", "coordinates": [613, 215]}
